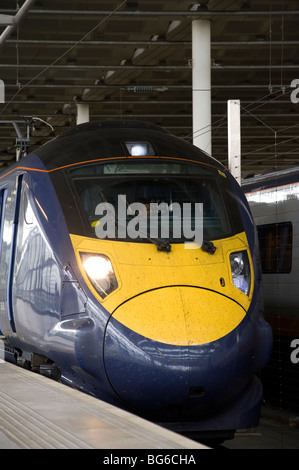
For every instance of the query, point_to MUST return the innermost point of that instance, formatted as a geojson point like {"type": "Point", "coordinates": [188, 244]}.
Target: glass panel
{"type": "Point", "coordinates": [206, 195]}
{"type": "Point", "coordinates": [276, 247]}
{"type": "Point", "coordinates": [150, 166]}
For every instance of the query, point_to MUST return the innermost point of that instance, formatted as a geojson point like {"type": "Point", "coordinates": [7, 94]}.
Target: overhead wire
{"type": "Point", "coordinates": [253, 106]}
{"type": "Point", "coordinates": [256, 104]}
{"type": "Point", "coordinates": [62, 55]}
{"type": "Point", "coordinates": [260, 102]}
{"type": "Point", "coordinates": [199, 132]}
{"type": "Point", "coordinates": [282, 92]}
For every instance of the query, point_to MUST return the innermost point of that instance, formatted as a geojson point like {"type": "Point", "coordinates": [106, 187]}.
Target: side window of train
{"type": "Point", "coordinates": [276, 242]}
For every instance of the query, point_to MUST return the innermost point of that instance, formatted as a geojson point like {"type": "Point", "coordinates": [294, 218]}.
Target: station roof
{"type": "Point", "coordinates": [133, 60]}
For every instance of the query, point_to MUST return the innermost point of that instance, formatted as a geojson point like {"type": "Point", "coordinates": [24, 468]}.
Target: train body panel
{"type": "Point", "coordinates": [170, 328]}
{"type": "Point", "coordinates": [206, 378]}
{"type": "Point", "coordinates": [273, 198]}
{"type": "Point", "coordinates": [274, 202]}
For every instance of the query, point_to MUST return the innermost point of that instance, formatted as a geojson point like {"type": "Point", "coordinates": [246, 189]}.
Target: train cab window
{"type": "Point", "coordinates": [156, 183]}
{"type": "Point", "coordinates": [276, 247]}
{"type": "Point", "coordinates": [150, 167]}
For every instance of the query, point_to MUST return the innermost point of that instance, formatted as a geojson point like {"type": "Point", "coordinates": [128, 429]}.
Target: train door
{"type": "Point", "coordinates": [10, 207]}
{"type": "Point", "coordinates": [3, 196]}
{"type": "Point", "coordinates": [11, 267]}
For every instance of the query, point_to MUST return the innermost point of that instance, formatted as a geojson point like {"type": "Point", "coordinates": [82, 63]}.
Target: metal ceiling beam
{"type": "Point", "coordinates": [149, 102]}
{"type": "Point", "coordinates": [100, 42]}
{"type": "Point", "coordinates": [131, 66]}
{"type": "Point", "coordinates": [139, 13]}
{"type": "Point", "coordinates": [156, 116]}
{"type": "Point", "coordinates": [218, 138]}
{"type": "Point", "coordinates": [71, 67]}
{"type": "Point", "coordinates": [17, 19]}
{"type": "Point", "coordinates": [101, 86]}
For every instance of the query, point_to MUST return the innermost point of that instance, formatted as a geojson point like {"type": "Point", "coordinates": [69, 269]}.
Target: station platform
{"type": "Point", "coordinates": [39, 413]}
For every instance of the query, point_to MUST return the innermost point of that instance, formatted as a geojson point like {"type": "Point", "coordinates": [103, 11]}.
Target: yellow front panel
{"type": "Point", "coordinates": [181, 315]}
{"type": "Point", "coordinates": [173, 315]}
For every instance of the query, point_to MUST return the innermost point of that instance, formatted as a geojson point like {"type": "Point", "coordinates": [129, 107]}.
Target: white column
{"type": "Point", "coordinates": [201, 77]}
{"type": "Point", "coordinates": [234, 138]}
{"type": "Point", "coordinates": [82, 113]}
{"type": "Point", "coordinates": [2, 92]}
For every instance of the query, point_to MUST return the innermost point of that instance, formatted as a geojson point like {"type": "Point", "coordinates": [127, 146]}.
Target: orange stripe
{"type": "Point", "coordinates": [271, 187]}
{"type": "Point", "coordinates": [132, 157]}
{"type": "Point", "coordinates": [106, 158]}
{"type": "Point", "coordinates": [23, 168]}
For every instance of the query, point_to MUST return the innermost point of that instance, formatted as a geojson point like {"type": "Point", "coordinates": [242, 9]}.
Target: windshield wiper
{"type": "Point", "coordinates": [164, 245]}
{"type": "Point", "coordinates": [208, 246]}
{"type": "Point", "coordinates": [161, 244]}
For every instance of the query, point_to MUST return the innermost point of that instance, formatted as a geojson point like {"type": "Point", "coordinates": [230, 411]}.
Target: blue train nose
{"type": "Point", "coordinates": [150, 377]}
{"type": "Point", "coordinates": [172, 380]}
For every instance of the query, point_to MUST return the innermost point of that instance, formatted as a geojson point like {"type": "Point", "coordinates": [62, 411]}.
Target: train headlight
{"type": "Point", "coordinates": [100, 272]}
{"type": "Point", "coordinates": [139, 149]}
{"type": "Point", "coordinates": [240, 268]}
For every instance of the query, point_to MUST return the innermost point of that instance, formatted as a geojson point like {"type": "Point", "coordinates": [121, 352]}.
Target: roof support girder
{"type": "Point", "coordinates": [16, 20]}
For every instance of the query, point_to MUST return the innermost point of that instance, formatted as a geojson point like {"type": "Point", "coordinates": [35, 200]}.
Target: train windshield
{"type": "Point", "coordinates": [146, 200]}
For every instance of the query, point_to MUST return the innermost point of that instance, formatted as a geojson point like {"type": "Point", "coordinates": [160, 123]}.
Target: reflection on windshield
{"type": "Point", "coordinates": [155, 198]}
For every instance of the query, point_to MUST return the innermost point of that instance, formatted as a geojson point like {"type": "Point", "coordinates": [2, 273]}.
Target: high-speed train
{"type": "Point", "coordinates": [274, 201]}
{"type": "Point", "coordinates": [157, 312]}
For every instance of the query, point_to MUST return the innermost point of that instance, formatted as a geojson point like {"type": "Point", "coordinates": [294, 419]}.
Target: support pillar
{"type": "Point", "coordinates": [234, 138]}
{"type": "Point", "coordinates": [201, 86]}
{"type": "Point", "coordinates": [82, 113]}
{"type": "Point", "coordinates": [2, 92]}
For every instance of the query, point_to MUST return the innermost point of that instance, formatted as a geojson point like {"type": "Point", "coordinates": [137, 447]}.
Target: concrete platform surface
{"type": "Point", "coordinates": [39, 413]}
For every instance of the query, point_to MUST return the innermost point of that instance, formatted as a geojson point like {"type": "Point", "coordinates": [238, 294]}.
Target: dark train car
{"type": "Point", "coordinates": [274, 202]}
{"type": "Point", "coordinates": [145, 311]}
